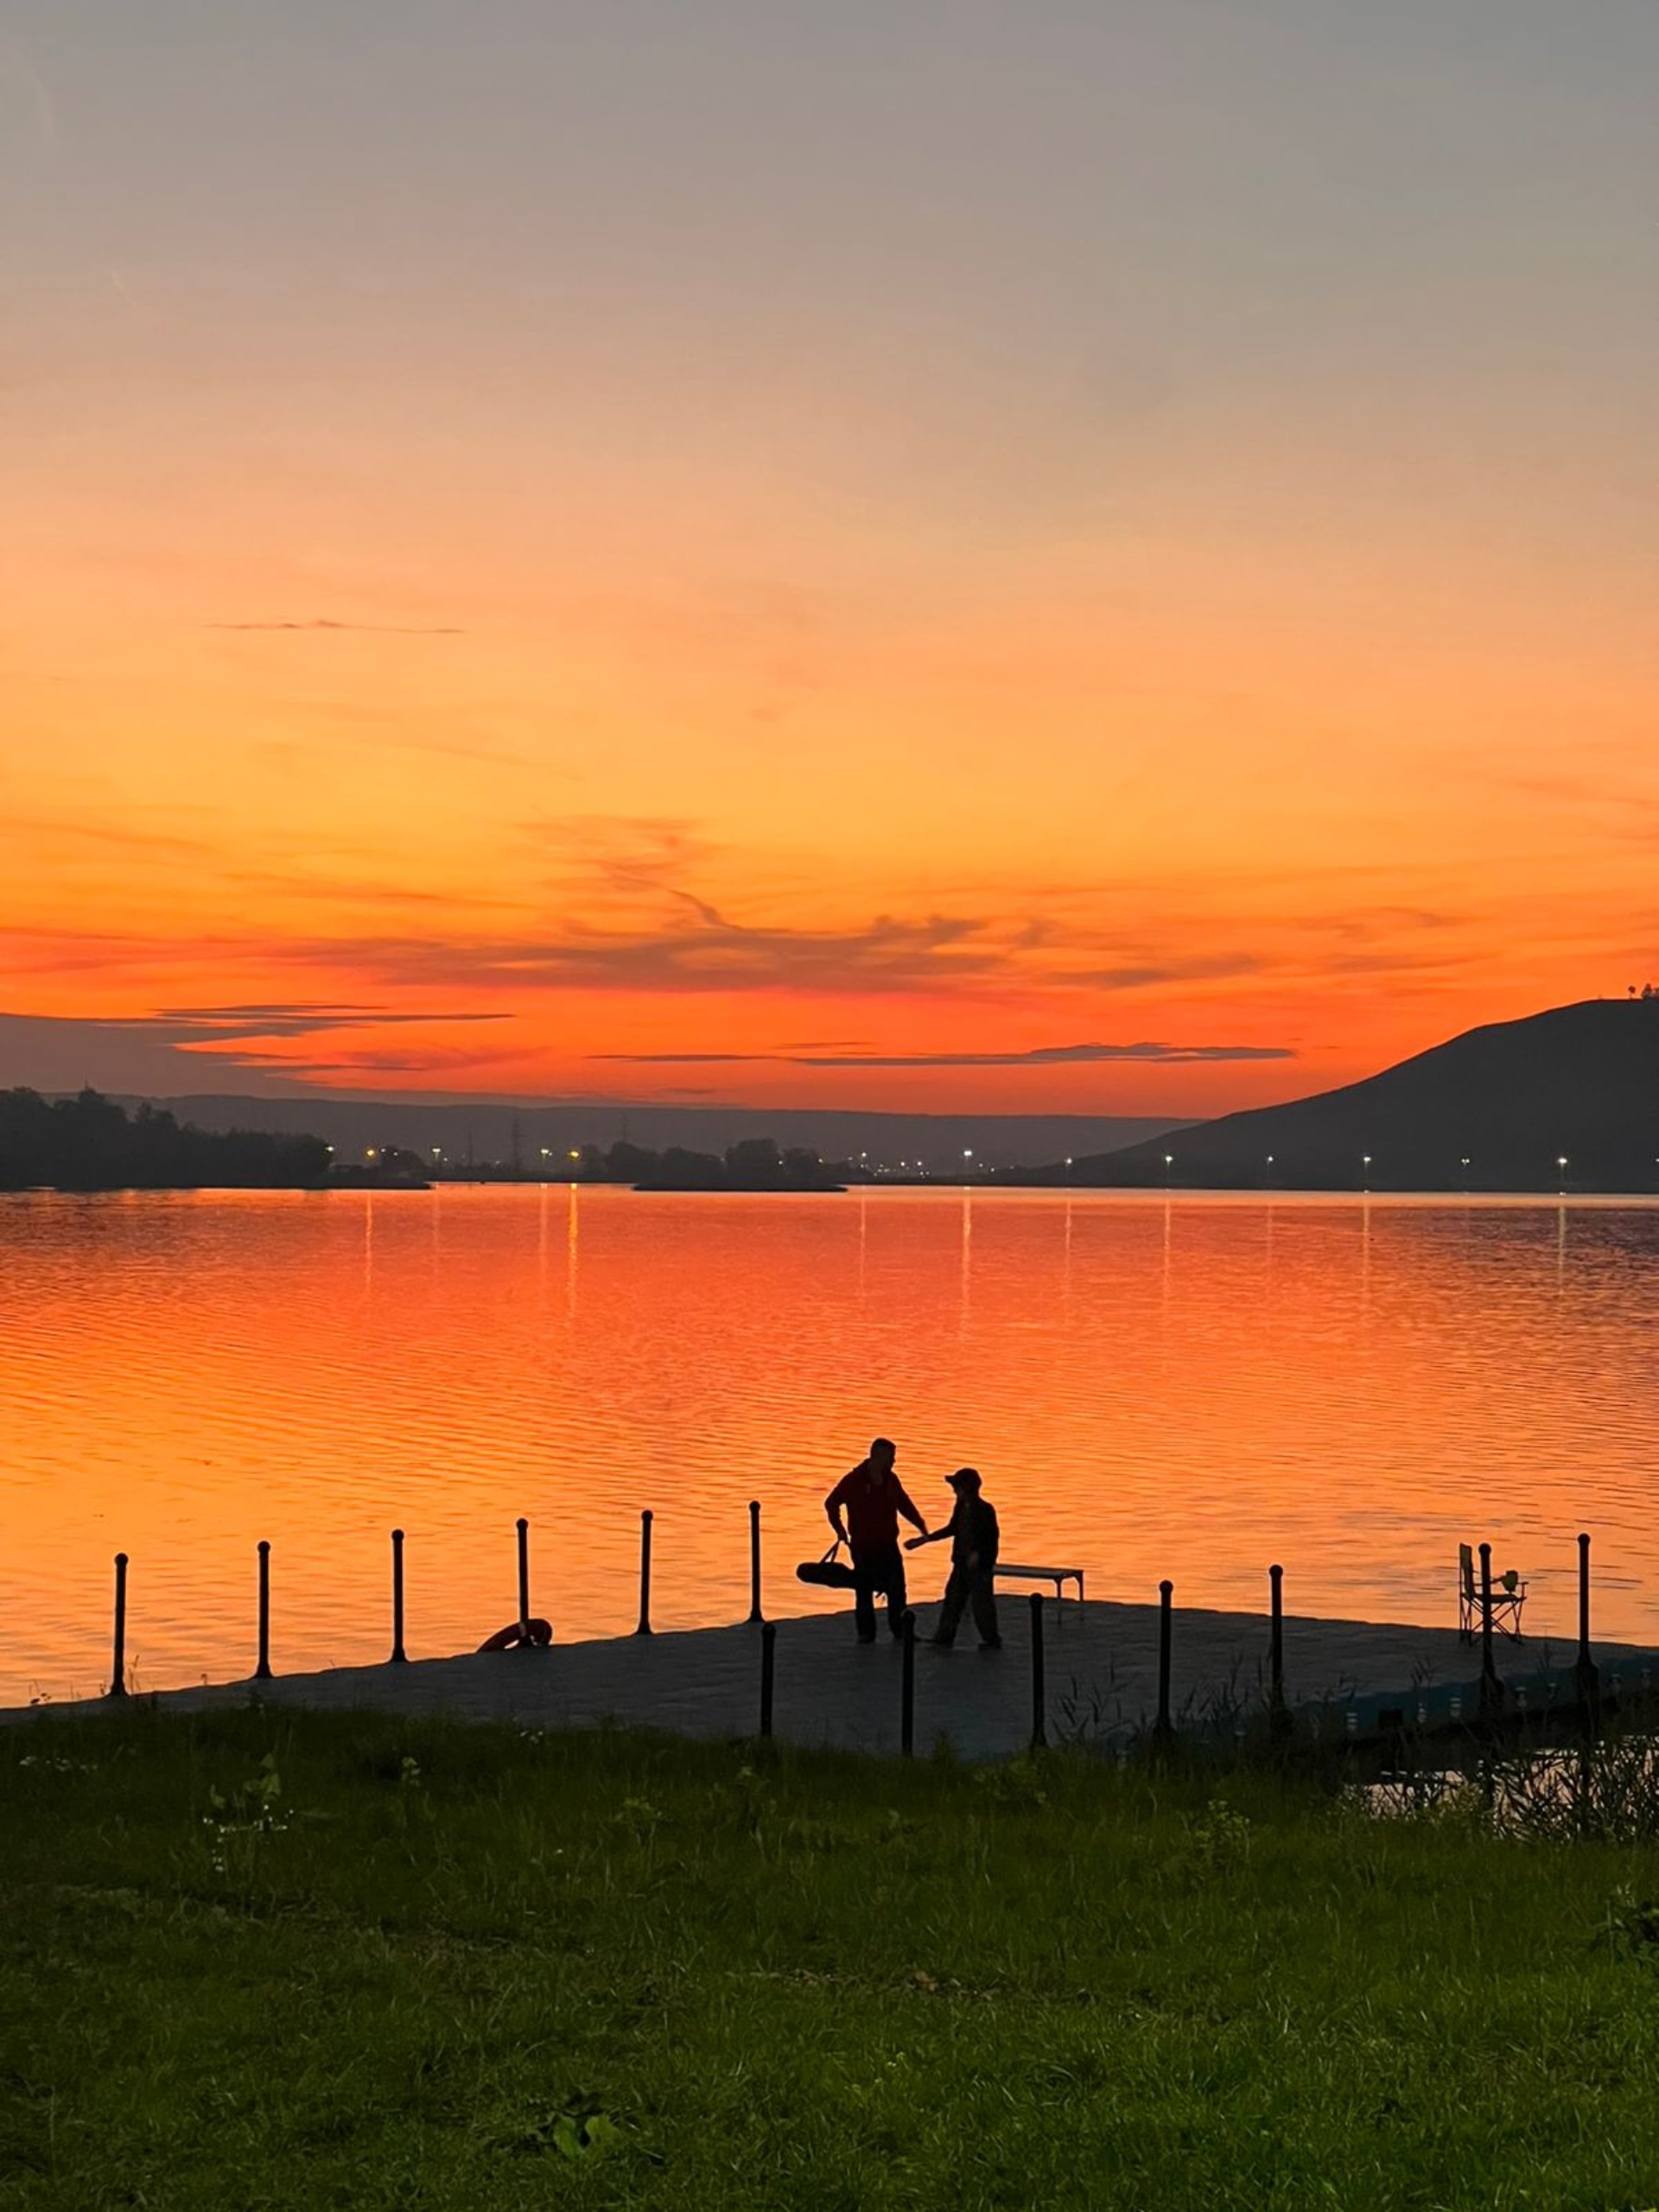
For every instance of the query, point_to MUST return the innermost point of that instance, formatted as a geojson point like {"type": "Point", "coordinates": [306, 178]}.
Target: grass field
{"type": "Point", "coordinates": [289, 1960]}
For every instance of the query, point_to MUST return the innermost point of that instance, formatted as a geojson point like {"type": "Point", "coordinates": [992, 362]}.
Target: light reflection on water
{"type": "Point", "coordinates": [1189, 1387]}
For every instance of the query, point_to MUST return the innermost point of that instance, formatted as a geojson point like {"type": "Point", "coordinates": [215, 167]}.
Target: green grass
{"type": "Point", "coordinates": [481, 1969]}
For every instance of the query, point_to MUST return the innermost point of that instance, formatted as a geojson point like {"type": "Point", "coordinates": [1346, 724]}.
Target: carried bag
{"type": "Point", "coordinates": [831, 1573]}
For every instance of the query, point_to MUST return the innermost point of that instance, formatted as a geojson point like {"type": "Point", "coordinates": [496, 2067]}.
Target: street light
{"type": "Point", "coordinates": [1365, 1162]}
{"type": "Point", "coordinates": [1560, 1167]}
{"type": "Point", "coordinates": [1169, 1161]}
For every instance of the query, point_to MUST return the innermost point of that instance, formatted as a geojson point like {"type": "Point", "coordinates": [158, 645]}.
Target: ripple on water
{"type": "Point", "coordinates": [1189, 1387]}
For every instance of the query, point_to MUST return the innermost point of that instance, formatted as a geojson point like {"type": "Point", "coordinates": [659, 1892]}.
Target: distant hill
{"type": "Point", "coordinates": [494, 1130]}
{"type": "Point", "coordinates": [1512, 1099]}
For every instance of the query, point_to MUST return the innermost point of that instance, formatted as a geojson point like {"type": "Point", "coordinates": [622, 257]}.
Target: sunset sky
{"type": "Point", "coordinates": [1090, 555]}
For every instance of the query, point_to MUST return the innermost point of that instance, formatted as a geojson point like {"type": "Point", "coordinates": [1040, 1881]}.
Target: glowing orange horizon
{"type": "Point", "coordinates": [484, 863]}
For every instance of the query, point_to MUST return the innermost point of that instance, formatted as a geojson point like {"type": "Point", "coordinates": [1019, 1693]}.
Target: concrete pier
{"type": "Point", "coordinates": [1102, 1662]}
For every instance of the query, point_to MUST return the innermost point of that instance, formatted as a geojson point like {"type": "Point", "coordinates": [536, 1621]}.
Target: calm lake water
{"type": "Point", "coordinates": [1191, 1388]}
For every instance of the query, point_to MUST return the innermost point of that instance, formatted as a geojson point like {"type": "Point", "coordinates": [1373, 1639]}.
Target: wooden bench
{"type": "Point", "coordinates": [1059, 1576]}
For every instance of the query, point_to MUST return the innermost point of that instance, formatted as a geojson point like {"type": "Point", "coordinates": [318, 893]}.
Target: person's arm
{"type": "Point", "coordinates": [933, 1537]}
{"type": "Point", "coordinates": [987, 1540]}
{"type": "Point", "coordinates": [832, 1506]}
{"type": "Point", "coordinates": [903, 1502]}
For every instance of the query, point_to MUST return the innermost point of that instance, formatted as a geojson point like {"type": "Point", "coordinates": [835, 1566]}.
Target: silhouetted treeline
{"type": "Point", "coordinates": [756, 1164]}
{"type": "Point", "coordinates": [90, 1143]}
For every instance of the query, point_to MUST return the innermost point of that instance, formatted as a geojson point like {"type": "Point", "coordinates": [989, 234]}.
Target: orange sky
{"type": "Point", "coordinates": [608, 596]}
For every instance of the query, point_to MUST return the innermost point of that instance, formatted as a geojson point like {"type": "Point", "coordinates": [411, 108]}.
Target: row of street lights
{"type": "Point", "coordinates": [1464, 1161]}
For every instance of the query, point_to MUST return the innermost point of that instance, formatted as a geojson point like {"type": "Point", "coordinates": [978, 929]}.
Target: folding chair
{"type": "Point", "coordinates": [1509, 1595]}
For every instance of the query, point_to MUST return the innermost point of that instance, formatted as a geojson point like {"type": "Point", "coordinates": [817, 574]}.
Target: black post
{"type": "Point", "coordinates": [262, 1672]}
{"type": "Point", "coordinates": [1587, 1679]}
{"type": "Point", "coordinates": [1163, 1731]}
{"type": "Point", "coordinates": [1039, 1696]}
{"type": "Point", "coordinates": [118, 1669]}
{"type": "Point", "coordinates": [523, 1570]}
{"type": "Point", "coordinates": [644, 1628]}
{"type": "Point", "coordinates": [1491, 1690]}
{"type": "Point", "coordinates": [768, 1661]}
{"type": "Point", "coordinates": [754, 1562]}
{"type": "Point", "coordinates": [1278, 1717]}
{"type": "Point", "coordinates": [907, 1689]}
{"type": "Point", "coordinates": [399, 1654]}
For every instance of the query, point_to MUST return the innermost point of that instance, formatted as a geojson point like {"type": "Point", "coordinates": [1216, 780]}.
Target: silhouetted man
{"type": "Point", "coordinates": [975, 1538]}
{"type": "Point", "coordinates": [873, 1497]}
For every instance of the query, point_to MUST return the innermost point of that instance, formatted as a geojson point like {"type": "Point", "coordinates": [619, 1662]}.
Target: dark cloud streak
{"type": "Point", "coordinates": [1041, 1056]}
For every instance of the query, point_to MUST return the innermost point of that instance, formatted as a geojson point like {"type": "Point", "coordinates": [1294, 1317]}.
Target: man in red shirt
{"type": "Point", "coordinates": [873, 1497]}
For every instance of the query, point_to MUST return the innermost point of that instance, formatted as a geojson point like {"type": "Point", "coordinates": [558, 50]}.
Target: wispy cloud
{"type": "Point", "coordinates": [129, 835]}
{"type": "Point", "coordinates": [709, 953]}
{"type": "Point", "coordinates": [369, 629]}
{"type": "Point", "coordinates": [1041, 1056]}
{"type": "Point", "coordinates": [17, 70]}
{"type": "Point", "coordinates": [1141, 974]}
{"type": "Point", "coordinates": [188, 1025]}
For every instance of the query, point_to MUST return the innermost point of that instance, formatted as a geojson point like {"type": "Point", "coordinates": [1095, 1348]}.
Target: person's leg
{"type": "Point", "coordinates": [896, 1594]}
{"type": "Point", "coordinates": [864, 1599]}
{"type": "Point", "coordinates": [984, 1594]}
{"type": "Point", "coordinates": [955, 1597]}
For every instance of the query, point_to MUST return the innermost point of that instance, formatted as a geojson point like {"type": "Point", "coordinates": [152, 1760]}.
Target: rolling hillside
{"type": "Point", "coordinates": [1510, 1100]}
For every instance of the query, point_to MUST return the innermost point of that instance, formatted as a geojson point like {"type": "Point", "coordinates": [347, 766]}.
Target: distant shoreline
{"type": "Point", "coordinates": [986, 1186]}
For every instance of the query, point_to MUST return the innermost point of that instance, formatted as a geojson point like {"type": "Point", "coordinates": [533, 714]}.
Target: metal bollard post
{"type": "Point", "coordinates": [754, 1562]}
{"type": "Point", "coordinates": [1278, 1717]}
{"type": "Point", "coordinates": [523, 1570]}
{"type": "Point", "coordinates": [768, 1661]}
{"type": "Point", "coordinates": [907, 1688]}
{"type": "Point", "coordinates": [1163, 1731]}
{"type": "Point", "coordinates": [645, 1518]}
{"type": "Point", "coordinates": [1039, 1694]}
{"type": "Point", "coordinates": [399, 1654]}
{"type": "Point", "coordinates": [262, 1670]}
{"type": "Point", "coordinates": [1491, 1690]}
{"type": "Point", "coordinates": [1587, 1680]}
{"type": "Point", "coordinates": [119, 1667]}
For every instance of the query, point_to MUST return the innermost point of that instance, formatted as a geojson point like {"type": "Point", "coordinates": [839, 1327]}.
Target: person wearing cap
{"type": "Point", "coordinates": [975, 1538]}
{"type": "Point", "coordinates": [873, 1497]}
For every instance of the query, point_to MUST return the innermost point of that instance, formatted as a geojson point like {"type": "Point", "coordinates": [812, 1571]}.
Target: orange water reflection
{"type": "Point", "coordinates": [1191, 1388]}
